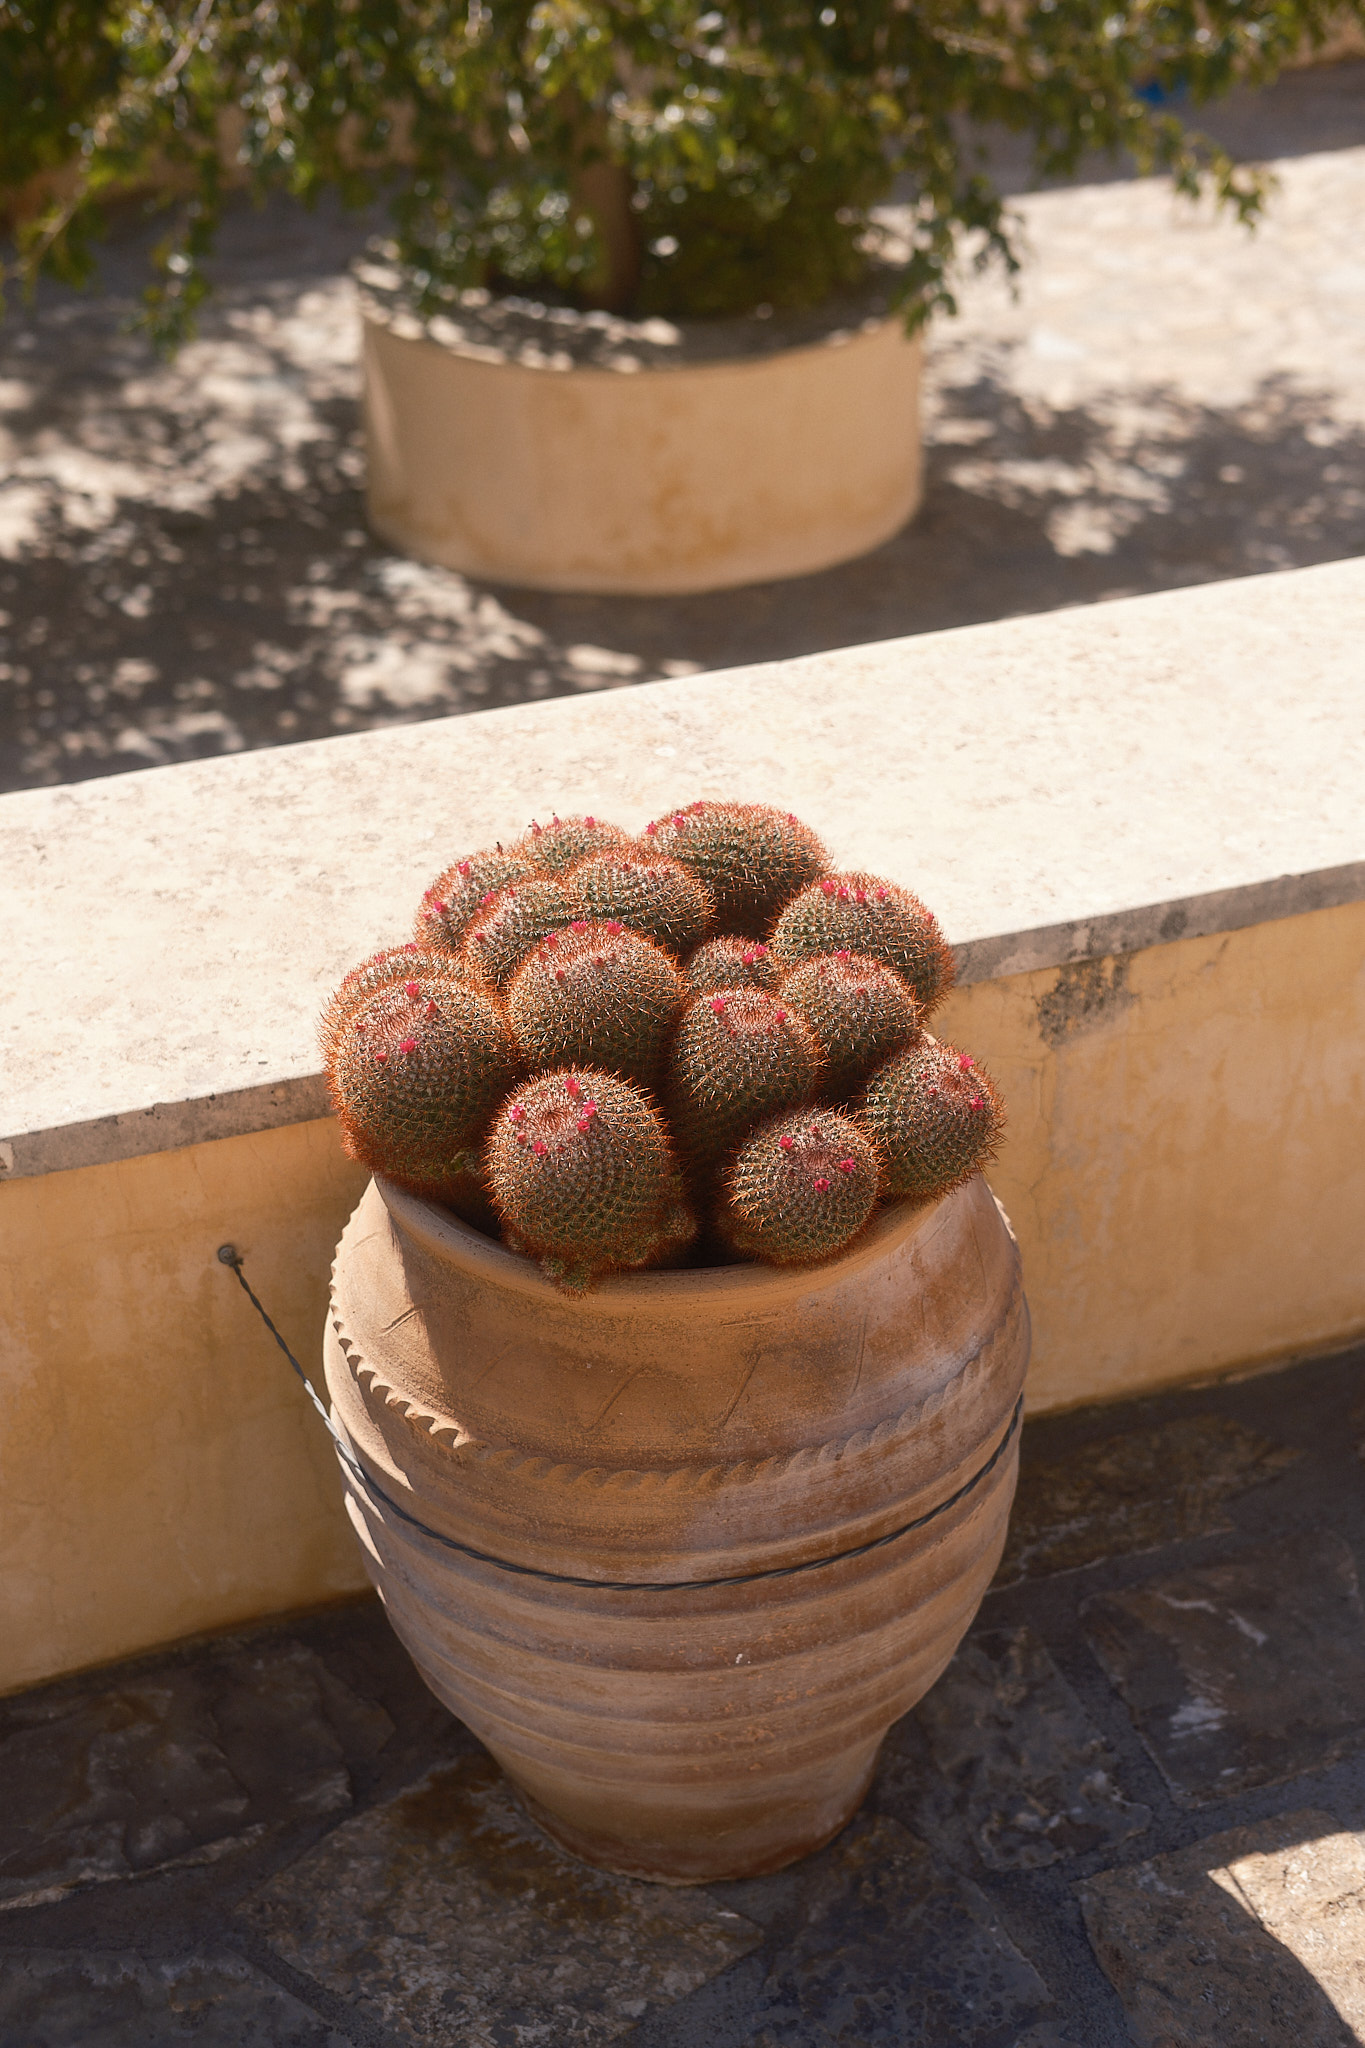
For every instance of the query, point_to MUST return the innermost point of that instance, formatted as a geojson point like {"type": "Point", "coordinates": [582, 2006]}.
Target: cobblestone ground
{"type": "Point", "coordinates": [184, 565]}
{"type": "Point", "coordinates": [1131, 1810]}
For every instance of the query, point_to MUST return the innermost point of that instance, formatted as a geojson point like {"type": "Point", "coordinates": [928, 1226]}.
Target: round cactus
{"type": "Point", "coordinates": [598, 994]}
{"type": "Point", "coordinates": [935, 1116]}
{"type": "Point", "coordinates": [753, 858]}
{"type": "Point", "coordinates": [867, 915]}
{"type": "Point", "coordinates": [455, 898]}
{"type": "Point", "coordinates": [382, 970]}
{"type": "Point", "coordinates": [415, 1073]}
{"type": "Point", "coordinates": [660, 898]}
{"type": "Point", "coordinates": [581, 1172]}
{"type": "Point", "coordinates": [510, 924]}
{"type": "Point", "coordinates": [739, 1055]}
{"type": "Point", "coordinates": [859, 1011]}
{"type": "Point", "coordinates": [800, 1188]}
{"type": "Point", "coordinates": [555, 848]}
{"type": "Point", "coordinates": [729, 963]}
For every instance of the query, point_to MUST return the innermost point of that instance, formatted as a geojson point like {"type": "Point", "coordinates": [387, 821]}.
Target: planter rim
{"type": "Point", "coordinates": [561, 341]}
{"type": "Point", "coordinates": [667, 1292]}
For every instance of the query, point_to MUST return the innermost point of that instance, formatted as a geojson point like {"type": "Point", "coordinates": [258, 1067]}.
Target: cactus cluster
{"type": "Point", "coordinates": [698, 1044]}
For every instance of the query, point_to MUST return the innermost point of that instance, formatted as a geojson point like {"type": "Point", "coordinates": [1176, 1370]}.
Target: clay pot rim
{"type": "Point", "coordinates": [481, 1257]}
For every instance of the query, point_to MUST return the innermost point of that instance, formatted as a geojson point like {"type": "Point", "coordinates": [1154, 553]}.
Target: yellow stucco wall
{"type": "Point", "coordinates": [1185, 1161]}
{"type": "Point", "coordinates": [1185, 1169]}
{"type": "Point", "coordinates": [160, 1469]}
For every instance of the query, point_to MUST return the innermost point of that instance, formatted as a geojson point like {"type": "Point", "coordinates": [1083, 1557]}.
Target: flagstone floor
{"type": "Point", "coordinates": [185, 568]}
{"type": "Point", "coordinates": [1133, 1810]}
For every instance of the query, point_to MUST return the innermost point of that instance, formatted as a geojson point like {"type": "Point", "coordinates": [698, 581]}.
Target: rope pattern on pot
{"type": "Point", "coordinates": [229, 1256]}
{"type": "Point", "coordinates": [884, 1436]}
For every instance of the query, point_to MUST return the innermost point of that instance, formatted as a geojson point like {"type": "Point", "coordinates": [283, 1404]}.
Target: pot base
{"type": "Point", "coordinates": [767, 1843]}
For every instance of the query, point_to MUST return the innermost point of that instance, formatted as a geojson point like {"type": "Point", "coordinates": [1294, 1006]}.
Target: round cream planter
{"type": "Point", "coordinates": [747, 1425]}
{"type": "Point", "coordinates": [640, 477]}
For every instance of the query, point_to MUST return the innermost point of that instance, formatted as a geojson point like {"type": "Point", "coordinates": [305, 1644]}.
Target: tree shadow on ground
{"type": "Point", "coordinates": [190, 572]}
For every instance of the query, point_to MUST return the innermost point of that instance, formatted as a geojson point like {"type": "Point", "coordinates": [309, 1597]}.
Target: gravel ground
{"type": "Point", "coordinates": [185, 568]}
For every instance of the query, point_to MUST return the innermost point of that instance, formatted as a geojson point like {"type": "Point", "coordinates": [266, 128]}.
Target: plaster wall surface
{"type": "Point", "coordinates": [161, 1471]}
{"type": "Point", "coordinates": [1185, 1171]}
{"type": "Point", "coordinates": [1185, 1160]}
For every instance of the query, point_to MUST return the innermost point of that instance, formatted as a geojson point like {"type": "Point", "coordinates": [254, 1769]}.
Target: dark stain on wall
{"type": "Point", "coordinates": [1085, 995]}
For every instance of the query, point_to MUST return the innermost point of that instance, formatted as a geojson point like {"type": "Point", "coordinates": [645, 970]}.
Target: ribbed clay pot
{"type": "Point", "coordinates": [673, 1427]}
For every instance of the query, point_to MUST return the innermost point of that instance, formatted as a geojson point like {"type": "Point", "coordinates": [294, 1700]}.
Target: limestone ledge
{"type": "Point", "coordinates": [1059, 788]}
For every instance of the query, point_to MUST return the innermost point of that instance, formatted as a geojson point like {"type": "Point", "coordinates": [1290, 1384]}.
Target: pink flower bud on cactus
{"type": "Point", "coordinates": [782, 1199]}
{"type": "Point", "coordinates": [935, 1127]}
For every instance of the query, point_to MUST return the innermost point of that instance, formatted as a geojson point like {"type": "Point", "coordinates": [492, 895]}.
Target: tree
{"type": "Point", "coordinates": [660, 156]}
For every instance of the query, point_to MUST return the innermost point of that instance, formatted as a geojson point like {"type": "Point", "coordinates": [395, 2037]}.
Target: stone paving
{"type": "Point", "coordinates": [1133, 1809]}
{"type": "Point", "coordinates": [184, 565]}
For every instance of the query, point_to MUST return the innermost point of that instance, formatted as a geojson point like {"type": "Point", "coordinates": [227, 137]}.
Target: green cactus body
{"type": "Point", "coordinates": [936, 1119]}
{"type": "Point", "coordinates": [555, 848]}
{"type": "Point", "coordinates": [511, 924]}
{"type": "Point", "coordinates": [598, 995]}
{"type": "Point", "coordinates": [382, 970]}
{"type": "Point", "coordinates": [729, 963]}
{"type": "Point", "coordinates": [859, 1011]}
{"type": "Point", "coordinates": [738, 1056]}
{"type": "Point", "coordinates": [457, 895]}
{"type": "Point", "coordinates": [800, 1188]}
{"type": "Point", "coordinates": [753, 858]}
{"type": "Point", "coordinates": [659, 898]}
{"type": "Point", "coordinates": [581, 1172]}
{"type": "Point", "coordinates": [415, 1074]}
{"type": "Point", "coordinates": [867, 915]}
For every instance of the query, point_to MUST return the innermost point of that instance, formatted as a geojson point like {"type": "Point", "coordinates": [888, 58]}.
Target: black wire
{"type": "Point", "coordinates": [229, 1256]}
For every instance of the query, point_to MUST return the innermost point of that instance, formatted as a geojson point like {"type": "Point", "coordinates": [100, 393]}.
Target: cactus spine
{"type": "Point", "coordinates": [729, 963]}
{"type": "Point", "coordinates": [935, 1117]}
{"type": "Point", "coordinates": [859, 1011]}
{"type": "Point", "coordinates": [382, 970]}
{"type": "Point", "coordinates": [598, 995]}
{"type": "Point", "coordinates": [555, 848]}
{"type": "Point", "coordinates": [510, 924]}
{"type": "Point", "coordinates": [798, 1084]}
{"type": "Point", "coordinates": [450, 905]}
{"type": "Point", "coordinates": [867, 915]}
{"type": "Point", "coordinates": [753, 858]}
{"type": "Point", "coordinates": [800, 1188]}
{"type": "Point", "coordinates": [739, 1055]}
{"type": "Point", "coordinates": [659, 898]}
{"type": "Point", "coordinates": [582, 1175]}
{"type": "Point", "coordinates": [415, 1072]}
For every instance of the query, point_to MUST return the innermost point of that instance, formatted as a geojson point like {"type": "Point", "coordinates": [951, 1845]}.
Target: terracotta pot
{"type": "Point", "coordinates": [676, 1427]}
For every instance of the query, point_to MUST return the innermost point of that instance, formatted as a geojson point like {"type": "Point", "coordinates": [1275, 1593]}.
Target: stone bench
{"type": "Point", "coordinates": [1141, 824]}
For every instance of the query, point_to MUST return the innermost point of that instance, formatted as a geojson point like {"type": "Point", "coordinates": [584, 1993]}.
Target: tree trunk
{"type": "Point", "coordinates": [601, 189]}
